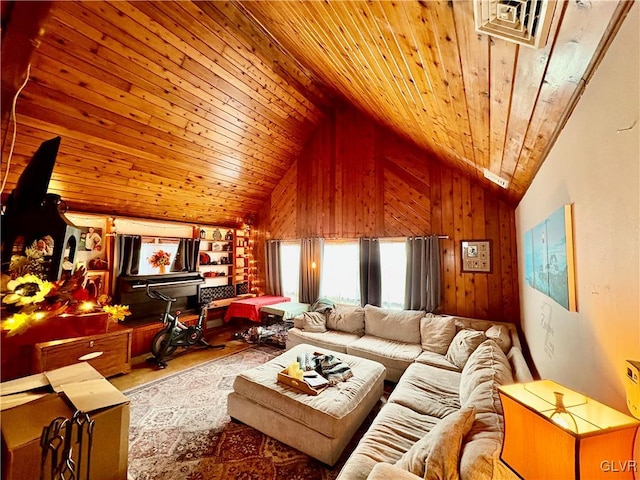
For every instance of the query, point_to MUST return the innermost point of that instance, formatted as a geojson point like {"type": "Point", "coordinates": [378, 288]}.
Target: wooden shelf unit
{"type": "Point", "coordinates": [228, 277]}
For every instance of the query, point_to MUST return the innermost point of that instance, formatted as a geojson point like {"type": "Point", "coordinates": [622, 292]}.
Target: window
{"type": "Point", "coordinates": [393, 266]}
{"type": "Point", "coordinates": [151, 246]}
{"type": "Point", "coordinates": [290, 269]}
{"type": "Point", "coordinates": [340, 280]}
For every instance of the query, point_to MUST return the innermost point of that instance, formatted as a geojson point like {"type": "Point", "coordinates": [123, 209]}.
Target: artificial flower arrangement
{"type": "Point", "coordinates": [29, 298]}
{"type": "Point", "coordinates": [159, 258]}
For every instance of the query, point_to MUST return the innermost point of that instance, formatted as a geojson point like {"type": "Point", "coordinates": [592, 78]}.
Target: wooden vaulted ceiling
{"type": "Point", "coordinates": [194, 111]}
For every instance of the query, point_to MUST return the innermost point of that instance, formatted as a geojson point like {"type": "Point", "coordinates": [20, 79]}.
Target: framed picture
{"type": "Point", "coordinates": [476, 256]}
{"type": "Point", "coordinates": [549, 261]}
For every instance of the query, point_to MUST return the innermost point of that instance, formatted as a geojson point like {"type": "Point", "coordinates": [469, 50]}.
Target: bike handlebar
{"type": "Point", "coordinates": [156, 295]}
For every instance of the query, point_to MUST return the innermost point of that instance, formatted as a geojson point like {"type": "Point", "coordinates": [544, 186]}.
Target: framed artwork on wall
{"type": "Point", "coordinates": [476, 256]}
{"type": "Point", "coordinates": [549, 262]}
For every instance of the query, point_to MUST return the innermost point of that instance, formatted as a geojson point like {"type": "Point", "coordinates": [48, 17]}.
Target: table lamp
{"type": "Point", "coordinates": [552, 432]}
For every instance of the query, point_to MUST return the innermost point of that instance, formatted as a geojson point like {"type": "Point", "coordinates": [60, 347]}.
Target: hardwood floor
{"type": "Point", "coordinates": [143, 371]}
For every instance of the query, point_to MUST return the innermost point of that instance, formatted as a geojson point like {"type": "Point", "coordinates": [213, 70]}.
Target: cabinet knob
{"type": "Point", "coordinates": [91, 344]}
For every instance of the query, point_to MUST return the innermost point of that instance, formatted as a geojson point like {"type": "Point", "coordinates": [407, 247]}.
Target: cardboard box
{"type": "Point", "coordinates": [30, 404]}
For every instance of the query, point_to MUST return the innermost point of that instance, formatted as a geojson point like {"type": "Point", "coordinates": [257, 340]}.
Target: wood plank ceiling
{"type": "Point", "coordinates": [193, 111]}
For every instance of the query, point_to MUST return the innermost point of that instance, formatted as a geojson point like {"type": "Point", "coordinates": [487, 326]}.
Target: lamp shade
{"type": "Point", "coordinates": [554, 433]}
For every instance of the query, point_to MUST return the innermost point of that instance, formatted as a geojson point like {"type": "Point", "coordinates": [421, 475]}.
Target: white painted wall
{"type": "Point", "coordinates": [598, 170]}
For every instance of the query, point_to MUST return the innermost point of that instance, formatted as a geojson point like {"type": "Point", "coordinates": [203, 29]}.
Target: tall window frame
{"type": "Point", "coordinates": [393, 271]}
{"type": "Point", "coordinates": [340, 280]}
{"type": "Point", "coordinates": [290, 269]}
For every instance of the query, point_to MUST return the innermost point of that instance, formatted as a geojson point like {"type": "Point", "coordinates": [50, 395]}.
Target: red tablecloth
{"type": "Point", "coordinates": [250, 307]}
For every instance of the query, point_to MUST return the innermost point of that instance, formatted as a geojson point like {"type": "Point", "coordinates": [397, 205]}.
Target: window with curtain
{"type": "Point", "coordinates": [152, 245]}
{"type": "Point", "coordinates": [393, 266]}
{"type": "Point", "coordinates": [290, 269]}
{"type": "Point", "coordinates": [341, 272]}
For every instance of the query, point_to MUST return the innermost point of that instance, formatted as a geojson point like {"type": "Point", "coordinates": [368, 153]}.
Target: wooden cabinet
{"type": "Point", "coordinates": [17, 350]}
{"type": "Point", "coordinates": [109, 353]}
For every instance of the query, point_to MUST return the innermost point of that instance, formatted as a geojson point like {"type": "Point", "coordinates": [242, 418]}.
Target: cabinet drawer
{"type": "Point", "coordinates": [109, 353]}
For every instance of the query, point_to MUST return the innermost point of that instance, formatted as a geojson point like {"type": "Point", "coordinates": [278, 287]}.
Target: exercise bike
{"type": "Point", "coordinates": [176, 334]}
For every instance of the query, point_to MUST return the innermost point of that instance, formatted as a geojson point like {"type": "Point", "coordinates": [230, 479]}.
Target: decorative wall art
{"type": "Point", "coordinates": [476, 256]}
{"type": "Point", "coordinates": [549, 263]}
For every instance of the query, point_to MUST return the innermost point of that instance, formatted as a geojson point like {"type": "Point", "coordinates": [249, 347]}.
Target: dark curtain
{"type": "Point", "coordinates": [310, 268]}
{"type": "Point", "coordinates": [274, 275]}
{"type": "Point", "coordinates": [127, 254]}
{"type": "Point", "coordinates": [423, 281]}
{"type": "Point", "coordinates": [187, 255]}
{"type": "Point", "coordinates": [370, 275]}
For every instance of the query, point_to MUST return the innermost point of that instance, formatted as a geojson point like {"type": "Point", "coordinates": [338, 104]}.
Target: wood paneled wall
{"type": "Point", "coordinates": [355, 178]}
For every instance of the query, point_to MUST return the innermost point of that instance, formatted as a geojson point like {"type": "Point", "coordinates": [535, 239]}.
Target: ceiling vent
{"type": "Point", "coordinates": [497, 179]}
{"type": "Point", "coordinates": [525, 22]}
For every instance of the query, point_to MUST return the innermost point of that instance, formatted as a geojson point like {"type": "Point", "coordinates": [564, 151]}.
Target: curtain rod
{"type": "Point", "coordinates": [441, 237]}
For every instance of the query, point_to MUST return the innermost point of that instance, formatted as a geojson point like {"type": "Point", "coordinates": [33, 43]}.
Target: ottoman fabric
{"type": "Point", "coordinates": [333, 416]}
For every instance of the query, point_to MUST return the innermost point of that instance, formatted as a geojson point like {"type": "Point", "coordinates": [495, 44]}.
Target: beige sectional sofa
{"type": "Point", "coordinates": [444, 412]}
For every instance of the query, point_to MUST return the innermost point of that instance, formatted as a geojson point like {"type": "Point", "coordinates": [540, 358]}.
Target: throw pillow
{"type": "Point", "coordinates": [500, 335]}
{"type": "Point", "coordinates": [437, 332]}
{"type": "Point", "coordinates": [463, 345]}
{"type": "Point", "coordinates": [436, 454]}
{"type": "Point", "coordinates": [346, 318]}
{"type": "Point", "coordinates": [314, 322]}
{"type": "Point", "coordinates": [322, 305]}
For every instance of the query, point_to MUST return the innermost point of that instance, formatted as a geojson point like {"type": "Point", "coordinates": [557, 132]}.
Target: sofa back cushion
{"type": "Point", "coordinates": [486, 369]}
{"type": "Point", "coordinates": [487, 364]}
{"type": "Point", "coordinates": [501, 335]}
{"type": "Point", "coordinates": [315, 322]}
{"type": "Point", "coordinates": [399, 325]}
{"type": "Point", "coordinates": [437, 332]}
{"type": "Point", "coordinates": [463, 345]}
{"type": "Point", "coordinates": [346, 318]}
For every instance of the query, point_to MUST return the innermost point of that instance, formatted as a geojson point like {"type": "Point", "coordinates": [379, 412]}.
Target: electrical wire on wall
{"type": "Point", "coordinates": [15, 127]}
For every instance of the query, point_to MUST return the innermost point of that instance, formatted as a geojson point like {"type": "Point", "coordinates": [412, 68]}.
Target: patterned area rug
{"type": "Point", "coordinates": [180, 430]}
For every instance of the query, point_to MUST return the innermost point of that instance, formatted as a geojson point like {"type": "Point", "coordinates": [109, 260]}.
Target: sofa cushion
{"type": "Point", "coordinates": [463, 345]}
{"type": "Point", "coordinates": [314, 322]}
{"type": "Point", "coordinates": [428, 390]}
{"type": "Point", "coordinates": [330, 340]}
{"type": "Point", "coordinates": [394, 355]}
{"type": "Point", "coordinates": [436, 360]}
{"type": "Point", "coordinates": [435, 456]}
{"type": "Point", "coordinates": [437, 332]}
{"type": "Point", "coordinates": [386, 471]}
{"type": "Point", "coordinates": [346, 318]}
{"type": "Point", "coordinates": [501, 335]}
{"type": "Point", "coordinates": [486, 364]}
{"type": "Point", "coordinates": [400, 325]}
{"type": "Point", "coordinates": [393, 431]}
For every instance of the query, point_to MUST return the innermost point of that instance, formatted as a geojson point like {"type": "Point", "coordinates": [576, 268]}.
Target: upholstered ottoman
{"type": "Point", "coordinates": [320, 426]}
